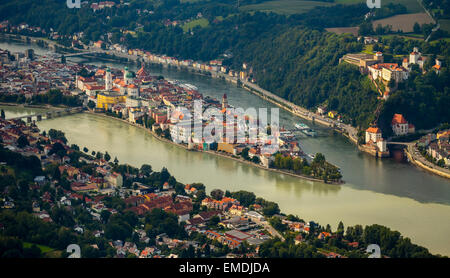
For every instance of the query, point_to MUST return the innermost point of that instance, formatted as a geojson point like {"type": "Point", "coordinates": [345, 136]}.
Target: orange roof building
{"type": "Point", "coordinates": [398, 119]}
{"type": "Point", "coordinates": [373, 130]}
{"type": "Point", "coordinates": [400, 125]}
{"type": "Point", "coordinates": [373, 135]}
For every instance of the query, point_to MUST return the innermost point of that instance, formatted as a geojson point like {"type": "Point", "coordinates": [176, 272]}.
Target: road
{"type": "Point", "coordinates": [270, 229]}
{"type": "Point", "coordinates": [416, 155]}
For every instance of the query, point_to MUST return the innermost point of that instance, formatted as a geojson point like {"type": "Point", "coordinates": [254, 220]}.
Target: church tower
{"type": "Point", "coordinates": [224, 101]}
{"type": "Point", "coordinates": [127, 76]}
{"type": "Point", "coordinates": [108, 80]}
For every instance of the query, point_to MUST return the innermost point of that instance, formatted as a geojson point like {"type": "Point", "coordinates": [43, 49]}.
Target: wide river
{"type": "Point", "coordinates": [386, 192]}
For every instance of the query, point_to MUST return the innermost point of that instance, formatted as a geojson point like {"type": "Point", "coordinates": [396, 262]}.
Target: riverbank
{"type": "Point", "coordinates": [40, 41]}
{"type": "Point", "coordinates": [39, 106]}
{"type": "Point", "coordinates": [420, 162]}
{"type": "Point", "coordinates": [217, 153]}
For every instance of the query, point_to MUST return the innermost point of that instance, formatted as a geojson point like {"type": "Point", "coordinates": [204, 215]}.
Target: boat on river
{"type": "Point", "coordinates": [301, 126]}
{"type": "Point", "coordinates": [309, 132]}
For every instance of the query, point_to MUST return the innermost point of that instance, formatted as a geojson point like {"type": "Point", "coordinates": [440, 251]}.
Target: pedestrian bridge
{"type": "Point", "coordinates": [49, 114]}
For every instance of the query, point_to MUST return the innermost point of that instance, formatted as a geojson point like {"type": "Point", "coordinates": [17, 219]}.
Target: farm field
{"type": "Point", "coordinates": [413, 6]}
{"type": "Point", "coordinates": [202, 22]}
{"type": "Point", "coordinates": [344, 30]}
{"type": "Point", "coordinates": [48, 252]}
{"type": "Point", "coordinates": [287, 7]}
{"type": "Point", "coordinates": [406, 37]}
{"type": "Point", "coordinates": [299, 6]}
{"type": "Point", "coordinates": [404, 22]}
{"type": "Point", "coordinates": [44, 249]}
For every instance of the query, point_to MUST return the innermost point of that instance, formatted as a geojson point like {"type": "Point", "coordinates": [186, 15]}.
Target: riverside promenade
{"type": "Point", "coordinates": [417, 159]}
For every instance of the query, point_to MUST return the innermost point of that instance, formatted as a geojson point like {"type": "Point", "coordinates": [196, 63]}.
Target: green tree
{"type": "Point", "coordinates": [217, 194]}
{"type": "Point", "coordinates": [416, 28]}
{"type": "Point", "coordinates": [244, 153]}
{"type": "Point", "coordinates": [91, 104]}
{"type": "Point", "coordinates": [22, 141]}
{"type": "Point", "coordinates": [213, 221]}
{"type": "Point", "coordinates": [255, 159]}
{"type": "Point", "coordinates": [340, 228]}
{"type": "Point", "coordinates": [319, 158]}
{"type": "Point", "coordinates": [146, 169]}
{"type": "Point", "coordinates": [104, 215]}
{"type": "Point", "coordinates": [107, 156]}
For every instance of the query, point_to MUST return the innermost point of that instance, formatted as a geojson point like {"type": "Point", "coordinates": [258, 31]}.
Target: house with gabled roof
{"type": "Point", "coordinates": [400, 126]}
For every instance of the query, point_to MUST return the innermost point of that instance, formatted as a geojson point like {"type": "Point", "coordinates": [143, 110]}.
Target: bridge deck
{"type": "Point", "coordinates": [67, 110]}
{"type": "Point", "coordinates": [81, 53]}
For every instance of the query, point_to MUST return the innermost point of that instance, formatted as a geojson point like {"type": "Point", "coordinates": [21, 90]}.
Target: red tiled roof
{"type": "Point", "coordinates": [398, 119]}
{"type": "Point", "coordinates": [373, 130]}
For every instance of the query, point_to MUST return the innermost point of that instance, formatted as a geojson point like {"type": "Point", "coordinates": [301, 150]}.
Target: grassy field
{"type": "Point", "coordinates": [413, 6]}
{"type": "Point", "coordinates": [406, 37]}
{"type": "Point", "coordinates": [202, 22]}
{"type": "Point", "coordinates": [442, 39]}
{"type": "Point", "coordinates": [368, 49]}
{"type": "Point", "coordinates": [287, 7]}
{"type": "Point", "coordinates": [344, 30]}
{"type": "Point", "coordinates": [44, 249]}
{"type": "Point", "coordinates": [47, 252]}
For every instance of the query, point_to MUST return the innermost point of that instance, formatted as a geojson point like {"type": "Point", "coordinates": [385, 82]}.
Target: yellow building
{"type": "Point", "coordinates": [226, 147]}
{"type": "Point", "coordinates": [243, 75]}
{"type": "Point", "coordinates": [443, 133]}
{"type": "Point", "coordinates": [107, 100]}
{"type": "Point", "coordinates": [332, 114]}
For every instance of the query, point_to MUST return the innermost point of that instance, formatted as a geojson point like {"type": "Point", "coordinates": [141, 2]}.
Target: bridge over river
{"type": "Point", "coordinates": [81, 53]}
{"type": "Point", "coordinates": [400, 143]}
{"type": "Point", "coordinates": [49, 114]}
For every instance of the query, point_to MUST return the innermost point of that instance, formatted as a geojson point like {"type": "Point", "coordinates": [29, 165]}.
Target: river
{"type": "Point", "coordinates": [386, 192]}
